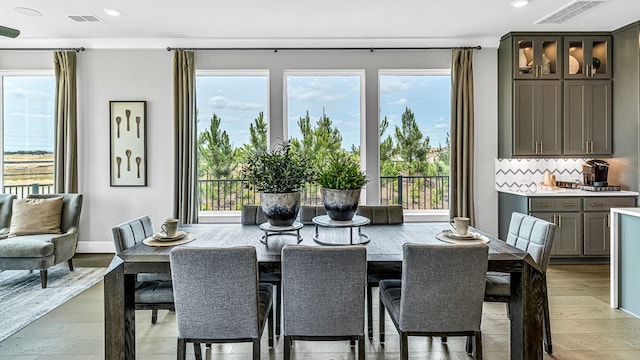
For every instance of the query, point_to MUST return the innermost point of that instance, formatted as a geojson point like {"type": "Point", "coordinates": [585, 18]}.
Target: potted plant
{"type": "Point", "coordinates": [278, 174]}
{"type": "Point", "coordinates": [340, 183]}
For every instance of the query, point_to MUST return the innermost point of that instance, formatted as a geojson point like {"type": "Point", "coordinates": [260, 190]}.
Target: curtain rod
{"type": "Point", "coordinates": [371, 49]}
{"type": "Point", "coordinates": [32, 49]}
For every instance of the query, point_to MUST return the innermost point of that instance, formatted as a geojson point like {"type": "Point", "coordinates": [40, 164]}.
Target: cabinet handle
{"type": "Point", "coordinates": [568, 204]}
{"type": "Point", "coordinates": [591, 142]}
{"type": "Point", "coordinates": [541, 151]}
{"type": "Point", "coordinates": [559, 221]}
{"type": "Point", "coordinates": [543, 204]}
{"type": "Point", "coordinates": [536, 151]}
{"type": "Point", "coordinates": [597, 204]}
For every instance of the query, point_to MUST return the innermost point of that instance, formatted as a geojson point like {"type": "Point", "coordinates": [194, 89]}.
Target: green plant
{"type": "Point", "coordinates": [342, 172]}
{"type": "Point", "coordinates": [596, 63]}
{"type": "Point", "coordinates": [276, 170]}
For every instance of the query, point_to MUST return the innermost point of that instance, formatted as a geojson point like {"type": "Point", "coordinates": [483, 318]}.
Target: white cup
{"type": "Point", "coordinates": [460, 225]}
{"type": "Point", "coordinates": [170, 227]}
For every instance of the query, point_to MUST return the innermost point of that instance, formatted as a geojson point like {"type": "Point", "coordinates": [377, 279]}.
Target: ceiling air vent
{"type": "Point", "coordinates": [569, 11]}
{"type": "Point", "coordinates": [84, 18]}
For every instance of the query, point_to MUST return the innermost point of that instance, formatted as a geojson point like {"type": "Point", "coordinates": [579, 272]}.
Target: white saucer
{"type": "Point", "coordinates": [161, 236]}
{"type": "Point", "coordinates": [468, 236]}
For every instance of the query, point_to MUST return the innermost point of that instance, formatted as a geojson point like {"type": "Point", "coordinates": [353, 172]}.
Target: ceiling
{"type": "Point", "coordinates": [249, 23]}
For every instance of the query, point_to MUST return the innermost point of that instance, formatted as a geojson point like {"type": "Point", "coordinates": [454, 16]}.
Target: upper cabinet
{"type": "Point", "coordinates": [537, 57]}
{"type": "Point", "coordinates": [587, 57]}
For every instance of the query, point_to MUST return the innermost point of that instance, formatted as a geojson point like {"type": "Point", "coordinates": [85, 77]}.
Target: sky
{"type": "Point", "coordinates": [28, 105]}
{"type": "Point", "coordinates": [238, 100]}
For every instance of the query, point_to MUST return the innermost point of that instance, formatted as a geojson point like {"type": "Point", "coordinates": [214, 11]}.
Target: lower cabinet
{"type": "Point", "coordinates": [583, 222]}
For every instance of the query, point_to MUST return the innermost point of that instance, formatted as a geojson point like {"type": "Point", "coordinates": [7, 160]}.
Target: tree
{"type": "Point", "coordinates": [327, 138]}
{"type": "Point", "coordinates": [409, 139]}
{"type": "Point", "coordinates": [386, 145]}
{"type": "Point", "coordinates": [215, 151]}
{"type": "Point", "coordinates": [258, 133]}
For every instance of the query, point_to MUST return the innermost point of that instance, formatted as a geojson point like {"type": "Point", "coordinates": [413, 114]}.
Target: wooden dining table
{"type": "Point", "coordinates": [384, 252]}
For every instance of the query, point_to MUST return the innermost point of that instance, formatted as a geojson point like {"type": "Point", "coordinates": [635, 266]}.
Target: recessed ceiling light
{"type": "Point", "coordinates": [520, 3]}
{"type": "Point", "coordinates": [28, 11]}
{"type": "Point", "coordinates": [112, 12]}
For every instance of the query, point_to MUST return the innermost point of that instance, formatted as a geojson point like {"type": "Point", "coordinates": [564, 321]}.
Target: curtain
{"type": "Point", "coordinates": [462, 127]}
{"type": "Point", "coordinates": [184, 115]}
{"type": "Point", "coordinates": [65, 124]}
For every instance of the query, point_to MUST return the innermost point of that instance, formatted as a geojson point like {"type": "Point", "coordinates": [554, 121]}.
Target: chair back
{"type": "Point", "coordinates": [132, 232]}
{"type": "Point", "coordinates": [71, 208]}
{"type": "Point", "coordinates": [308, 212]}
{"type": "Point", "coordinates": [252, 215]}
{"type": "Point", "coordinates": [6, 207]}
{"type": "Point", "coordinates": [442, 287]}
{"type": "Point", "coordinates": [382, 214]}
{"type": "Point", "coordinates": [323, 290]}
{"type": "Point", "coordinates": [532, 235]}
{"type": "Point", "coordinates": [215, 292]}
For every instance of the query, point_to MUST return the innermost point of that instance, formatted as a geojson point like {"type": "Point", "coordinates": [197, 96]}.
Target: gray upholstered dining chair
{"type": "Point", "coordinates": [253, 215]}
{"type": "Point", "coordinates": [218, 298]}
{"type": "Point", "coordinates": [153, 291]}
{"type": "Point", "coordinates": [380, 215]}
{"type": "Point", "coordinates": [323, 294]}
{"type": "Point", "coordinates": [440, 294]}
{"type": "Point", "coordinates": [534, 236]}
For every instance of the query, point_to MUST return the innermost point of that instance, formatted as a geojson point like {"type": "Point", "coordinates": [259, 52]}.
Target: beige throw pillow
{"type": "Point", "coordinates": [36, 216]}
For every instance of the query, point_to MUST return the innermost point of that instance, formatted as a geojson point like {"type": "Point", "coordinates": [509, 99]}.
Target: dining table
{"type": "Point", "coordinates": [384, 252]}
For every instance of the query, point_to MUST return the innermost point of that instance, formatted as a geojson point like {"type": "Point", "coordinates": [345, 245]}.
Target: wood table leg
{"type": "Point", "coordinates": [119, 314]}
{"type": "Point", "coordinates": [526, 314]}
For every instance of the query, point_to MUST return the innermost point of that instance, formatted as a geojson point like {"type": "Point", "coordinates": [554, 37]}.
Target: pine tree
{"type": "Point", "coordinates": [215, 151]}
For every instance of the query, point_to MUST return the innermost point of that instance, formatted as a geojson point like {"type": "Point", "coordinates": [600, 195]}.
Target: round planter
{"type": "Point", "coordinates": [281, 209]}
{"type": "Point", "coordinates": [341, 205]}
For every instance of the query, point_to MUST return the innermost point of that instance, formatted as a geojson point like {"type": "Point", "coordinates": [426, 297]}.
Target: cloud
{"type": "Point", "coordinates": [441, 126]}
{"type": "Point", "coordinates": [390, 86]}
{"type": "Point", "coordinates": [399, 102]}
{"type": "Point", "coordinates": [318, 93]}
{"type": "Point", "coordinates": [222, 102]}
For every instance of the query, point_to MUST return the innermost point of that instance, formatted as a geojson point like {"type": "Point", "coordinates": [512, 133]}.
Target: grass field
{"type": "Point", "coordinates": [26, 169]}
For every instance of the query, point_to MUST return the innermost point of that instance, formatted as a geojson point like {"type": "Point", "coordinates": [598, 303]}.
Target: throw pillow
{"type": "Point", "coordinates": [36, 216]}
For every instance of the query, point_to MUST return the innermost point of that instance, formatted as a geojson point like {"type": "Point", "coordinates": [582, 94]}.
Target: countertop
{"type": "Point", "coordinates": [569, 192]}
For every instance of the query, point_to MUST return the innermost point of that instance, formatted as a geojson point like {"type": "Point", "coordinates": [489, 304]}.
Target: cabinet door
{"type": "Point", "coordinates": [567, 240]}
{"type": "Point", "coordinates": [537, 118]}
{"type": "Point", "coordinates": [587, 117]}
{"type": "Point", "coordinates": [537, 57]}
{"type": "Point", "coordinates": [587, 57]}
{"type": "Point", "coordinates": [596, 233]}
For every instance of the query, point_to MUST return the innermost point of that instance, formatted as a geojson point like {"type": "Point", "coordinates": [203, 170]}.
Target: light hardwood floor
{"type": "Point", "coordinates": [583, 327]}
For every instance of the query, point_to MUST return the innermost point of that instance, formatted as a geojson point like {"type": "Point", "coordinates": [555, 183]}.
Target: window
{"type": "Point", "coordinates": [415, 113]}
{"type": "Point", "coordinates": [232, 117]}
{"type": "Point", "coordinates": [27, 103]}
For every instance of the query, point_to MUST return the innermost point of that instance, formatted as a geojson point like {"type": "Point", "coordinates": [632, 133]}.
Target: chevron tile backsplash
{"type": "Point", "coordinates": [526, 174]}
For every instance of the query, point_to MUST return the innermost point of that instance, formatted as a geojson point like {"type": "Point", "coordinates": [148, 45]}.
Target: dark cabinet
{"type": "Point", "coordinates": [587, 57]}
{"type": "Point", "coordinates": [537, 117]}
{"type": "Point", "coordinates": [537, 57]}
{"type": "Point", "coordinates": [587, 117]}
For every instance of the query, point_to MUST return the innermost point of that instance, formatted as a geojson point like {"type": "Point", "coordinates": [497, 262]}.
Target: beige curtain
{"type": "Point", "coordinates": [66, 137]}
{"type": "Point", "coordinates": [462, 126]}
{"type": "Point", "coordinates": [184, 115]}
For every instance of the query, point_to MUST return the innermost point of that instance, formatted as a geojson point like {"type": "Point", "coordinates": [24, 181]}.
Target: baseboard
{"type": "Point", "coordinates": [95, 247]}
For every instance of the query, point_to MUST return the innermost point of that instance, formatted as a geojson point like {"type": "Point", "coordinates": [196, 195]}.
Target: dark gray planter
{"type": "Point", "coordinates": [341, 205]}
{"type": "Point", "coordinates": [281, 209]}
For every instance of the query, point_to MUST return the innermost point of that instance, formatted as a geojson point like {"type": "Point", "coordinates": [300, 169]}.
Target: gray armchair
{"type": "Point", "coordinates": [153, 291]}
{"type": "Point", "coordinates": [440, 294]}
{"type": "Point", "coordinates": [218, 297]}
{"type": "Point", "coordinates": [6, 202]}
{"type": "Point", "coordinates": [534, 236]}
{"type": "Point", "coordinates": [41, 251]}
{"type": "Point", "coordinates": [323, 294]}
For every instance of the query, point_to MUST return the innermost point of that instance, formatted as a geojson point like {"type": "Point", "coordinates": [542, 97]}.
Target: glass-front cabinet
{"type": "Point", "coordinates": [537, 57]}
{"type": "Point", "coordinates": [587, 57]}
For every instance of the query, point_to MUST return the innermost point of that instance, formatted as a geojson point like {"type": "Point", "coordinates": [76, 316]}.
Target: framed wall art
{"type": "Point", "coordinates": [128, 133]}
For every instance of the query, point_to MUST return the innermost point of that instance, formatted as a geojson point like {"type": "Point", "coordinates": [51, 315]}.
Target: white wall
{"type": "Point", "coordinates": [105, 75]}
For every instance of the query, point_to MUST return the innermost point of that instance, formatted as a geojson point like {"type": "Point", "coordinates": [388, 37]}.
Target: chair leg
{"type": "Point", "coordinates": [370, 311]}
{"type": "Point", "coordinates": [404, 346]}
{"type": "Point", "coordinates": [381, 320]}
{"type": "Point", "coordinates": [478, 345]}
{"type": "Point", "coordinates": [469, 345]}
{"type": "Point", "coordinates": [287, 347]}
{"type": "Point", "coordinates": [547, 324]}
{"type": "Point", "coordinates": [154, 316]}
{"type": "Point", "coordinates": [270, 327]}
{"type": "Point", "coordinates": [443, 339]}
{"type": "Point", "coordinates": [197, 350]}
{"type": "Point", "coordinates": [352, 342]}
{"type": "Point", "coordinates": [361, 347]}
{"type": "Point", "coordinates": [43, 278]}
{"type": "Point", "coordinates": [182, 349]}
{"type": "Point", "coordinates": [256, 349]}
{"type": "Point", "coordinates": [70, 262]}
{"type": "Point", "coordinates": [278, 309]}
